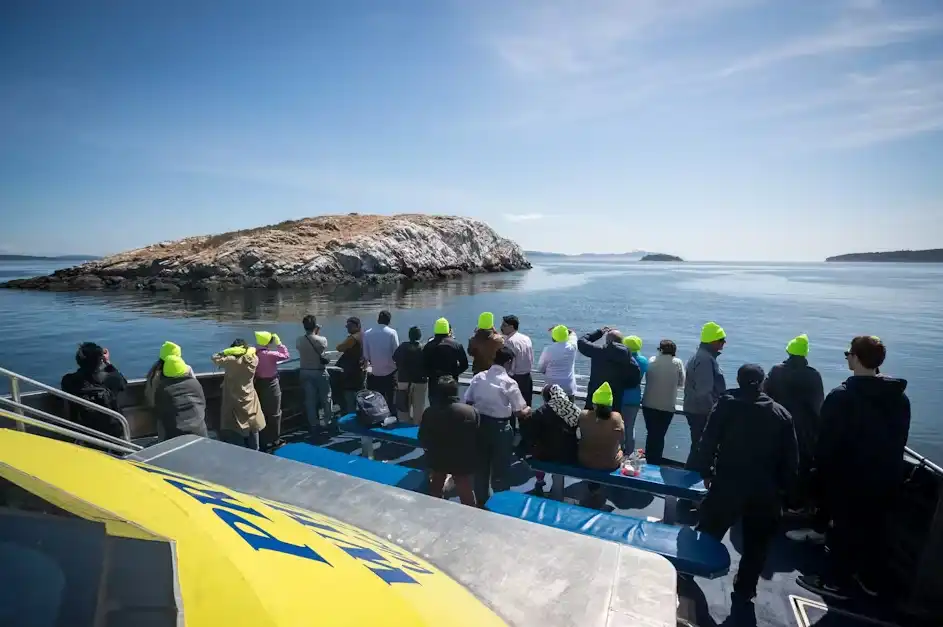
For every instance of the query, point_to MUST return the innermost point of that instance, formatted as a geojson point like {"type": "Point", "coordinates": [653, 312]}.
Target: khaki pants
{"type": "Point", "coordinates": [417, 402]}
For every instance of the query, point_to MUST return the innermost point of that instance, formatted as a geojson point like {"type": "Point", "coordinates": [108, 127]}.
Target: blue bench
{"type": "Point", "coordinates": [388, 474]}
{"type": "Point", "coordinates": [400, 433]}
{"type": "Point", "coordinates": [661, 480]}
{"type": "Point", "coordinates": [690, 552]}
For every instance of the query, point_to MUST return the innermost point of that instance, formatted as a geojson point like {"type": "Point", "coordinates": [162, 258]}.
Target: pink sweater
{"type": "Point", "coordinates": [268, 361]}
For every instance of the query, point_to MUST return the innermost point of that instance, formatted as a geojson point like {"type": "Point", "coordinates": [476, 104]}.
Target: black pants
{"type": "Point", "coordinates": [758, 529]}
{"type": "Point", "coordinates": [696, 424]}
{"type": "Point", "coordinates": [270, 398]}
{"type": "Point", "coordinates": [526, 383]}
{"type": "Point", "coordinates": [657, 422]}
{"type": "Point", "coordinates": [385, 385]}
{"type": "Point", "coordinates": [856, 548]}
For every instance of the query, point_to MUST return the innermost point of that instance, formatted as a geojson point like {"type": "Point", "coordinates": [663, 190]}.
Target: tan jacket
{"type": "Point", "coordinates": [240, 410]}
{"type": "Point", "coordinates": [601, 440]}
{"type": "Point", "coordinates": [482, 347]}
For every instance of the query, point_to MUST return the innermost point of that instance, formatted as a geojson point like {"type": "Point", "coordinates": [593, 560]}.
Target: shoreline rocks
{"type": "Point", "coordinates": [326, 250]}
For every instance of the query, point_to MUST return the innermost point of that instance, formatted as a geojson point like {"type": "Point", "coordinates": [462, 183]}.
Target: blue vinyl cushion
{"type": "Point", "coordinates": [388, 474]}
{"type": "Point", "coordinates": [400, 433]}
{"type": "Point", "coordinates": [661, 480]}
{"type": "Point", "coordinates": [691, 552]}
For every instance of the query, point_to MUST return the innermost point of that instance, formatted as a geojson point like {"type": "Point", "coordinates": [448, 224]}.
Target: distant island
{"type": "Point", "coordinates": [634, 255]}
{"type": "Point", "coordinates": [932, 255]}
{"type": "Point", "coordinates": [47, 258]}
{"type": "Point", "coordinates": [660, 257]}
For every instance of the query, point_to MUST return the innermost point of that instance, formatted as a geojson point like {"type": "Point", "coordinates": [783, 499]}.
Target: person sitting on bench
{"type": "Point", "coordinates": [550, 432]}
{"type": "Point", "coordinates": [601, 436]}
{"type": "Point", "coordinates": [448, 432]}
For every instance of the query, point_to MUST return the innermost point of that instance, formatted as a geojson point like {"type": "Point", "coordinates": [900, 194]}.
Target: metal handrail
{"type": "Point", "coordinates": [15, 394]}
{"type": "Point", "coordinates": [68, 424]}
{"type": "Point", "coordinates": [70, 433]}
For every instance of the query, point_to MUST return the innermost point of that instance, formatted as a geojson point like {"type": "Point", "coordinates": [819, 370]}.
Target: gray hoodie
{"type": "Point", "coordinates": [704, 382]}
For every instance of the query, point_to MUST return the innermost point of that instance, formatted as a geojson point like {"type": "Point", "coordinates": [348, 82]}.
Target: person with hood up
{"type": "Point", "coordinates": [612, 362]}
{"type": "Point", "coordinates": [858, 469]}
{"type": "Point", "coordinates": [558, 360]}
{"type": "Point", "coordinates": [442, 356]}
{"type": "Point", "coordinates": [269, 350]}
{"type": "Point", "coordinates": [240, 415]}
{"type": "Point", "coordinates": [153, 375]}
{"type": "Point", "coordinates": [98, 381]}
{"type": "Point", "coordinates": [411, 379]}
{"type": "Point", "coordinates": [704, 382]}
{"type": "Point", "coordinates": [448, 432]}
{"type": "Point", "coordinates": [632, 397]}
{"type": "Point", "coordinates": [797, 386]}
{"type": "Point", "coordinates": [352, 364]}
{"type": "Point", "coordinates": [748, 458]}
{"type": "Point", "coordinates": [549, 434]}
{"type": "Point", "coordinates": [484, 343]}
{"type": "Point", "coordinates": [664, 378]}
{"type": "Point", "coordinates": [179, 401]}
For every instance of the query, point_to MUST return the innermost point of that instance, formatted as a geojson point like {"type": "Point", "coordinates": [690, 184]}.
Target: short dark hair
{"type": "Point", "coordinates": [238, 342]}
{"type": "Point", "coordinates": [89, 355]}
{"type": "Point", "coordinates": [667, 347]}
{"type": "Point", "coordinates": [447, 386]}
{"type": "Point", "coordinates": [512, 321]}
{"type": "Point", "coordinates": [309, 322]}
{"type": "Point", "coordinates": [415, 334]}
{"type": "Point", "coordinates": [354, 320]}
{"type": "Point", "coordinates": [869, 350]}
{"type": "Point", "coordinates": [385, 317]}
{"type": "Point", "coordinates": [504, 355]}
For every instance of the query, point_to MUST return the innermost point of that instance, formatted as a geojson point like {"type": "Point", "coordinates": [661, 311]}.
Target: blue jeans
{"type": "Point", "coordinates": [629, 413]}
{"type": "Point", "coordinates": [316, 389]}
{"type": "Point", "coordinates": [495, 448]}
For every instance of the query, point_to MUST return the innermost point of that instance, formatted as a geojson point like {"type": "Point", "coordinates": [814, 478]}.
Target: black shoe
{"type": "Point", "coordinates": [742, 597]}
{"type": "Point", "coordinates": [539, 488]}
{"type": "Point", "coordinates": [822, 587]}
{"type": "Point", "coordinates": [867, 588]}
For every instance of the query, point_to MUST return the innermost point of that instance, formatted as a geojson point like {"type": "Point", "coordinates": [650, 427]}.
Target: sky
{"type": "Point", "coordinates": [712, 129]}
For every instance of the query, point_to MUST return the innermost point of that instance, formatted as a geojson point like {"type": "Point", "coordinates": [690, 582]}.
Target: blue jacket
{"type": "Point", "coordinates": [633, 396]}
{"type": "Point", "coordinates": [705, 382]}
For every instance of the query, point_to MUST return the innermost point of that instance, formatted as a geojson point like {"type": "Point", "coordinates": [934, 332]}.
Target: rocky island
{"type": "Point", "coordinates": [932, 255]}
{"type": "Point", "coordinates": [660, 257]}
{"type": "Point", "coordinates": [338, 249]}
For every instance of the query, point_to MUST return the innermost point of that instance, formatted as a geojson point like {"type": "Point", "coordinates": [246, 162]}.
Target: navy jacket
{"type": "Point", "coordinates": [612, 363]}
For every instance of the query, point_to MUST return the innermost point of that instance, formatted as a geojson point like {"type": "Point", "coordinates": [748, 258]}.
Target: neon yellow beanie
{"type": "Point", "coordinates": [441, 327]}
{"type": "Point", "coordinates": [175, 366]}
{"type": "Point", "coordinates": [239, 350]}
{"type": "Point", "coordinates": [603, 395]}
{"type": "Point", "coordinates": [169, 349]}
{"type": "Point", "coordinates": [633, 343]}
{"type": "Point", "coordinates": [560, 333]}
{"type": "Point", "coordinates": [798, 346]}
{"type": "Point", "coordinates": [711, 332]}
{"type": "Point", "coordinates": [263, 338]}
{"type": "Point", "coordinates": [486, 320]}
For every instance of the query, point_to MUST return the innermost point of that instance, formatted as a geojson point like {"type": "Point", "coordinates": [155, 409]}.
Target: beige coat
{"type": "Point", "coordinates": [240, 410]}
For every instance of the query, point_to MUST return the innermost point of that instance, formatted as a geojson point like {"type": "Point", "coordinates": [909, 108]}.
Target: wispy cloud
{"type": "Point", "coordinates": [524, 217]}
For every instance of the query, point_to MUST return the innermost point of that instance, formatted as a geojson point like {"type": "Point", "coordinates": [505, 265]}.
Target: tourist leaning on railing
{"type": "Point", "coordinates": [240, 415]}
{"type": "Point", "coordinates": [95, 380]}
{"type": "Point", "coordinates": [663, 380]}
{"type": "Point", "coordinates": [558, 360]}
{"type": "Point", "coordinates": [312, 374]}
{"type": "Point", "coordinates": [270, 351]}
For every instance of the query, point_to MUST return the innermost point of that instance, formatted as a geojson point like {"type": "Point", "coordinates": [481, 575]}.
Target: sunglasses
{"type": "Point", "coordinates": [848, 353]}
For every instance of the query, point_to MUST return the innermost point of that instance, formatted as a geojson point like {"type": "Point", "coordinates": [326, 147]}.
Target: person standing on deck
{"type": "Point", "coordinates": [98, 381]}
{"type": "Point", "coordinates": [484, 343]}
{"type": "Point", "coordinates": [411, 378]}
{"type": "Point", "coordinates": [523, 361]}
{"type": "Point", "coordinates": [497, 397]}
{"type": "Point", "coordinates": [748, 458]}
{"type": "Point", "coordinates": [611, 363]}
{"type": "Point", "coordinates": [312, 374]}
{"type": "Point", "coordinates": [270, 351]}
{"type": "Point", "coordinates": [858, 469]}
{"type": "Point", "coordinates": [379, 344]}
{"type": "Point", "coordinates": [558, 361]}
{"type": "Point", "coordinates": [797, 386]}
{"type": "Point", "coordinates": [704, 382]}
{"type": "Point", "coordinates": [632, 397]}
{"type": "Point", "coordinates": [352, 366]}
{"type": "Point", "coordinates": [179, 401]}
{"type": "Point", "coordinates": [240, 415]}
{"type": "Point", "coordinates": [442, 356]}
{"type": "Point", "coordinates": [448, 432]}
{"type": "Point", "coordinates": [664, 378]}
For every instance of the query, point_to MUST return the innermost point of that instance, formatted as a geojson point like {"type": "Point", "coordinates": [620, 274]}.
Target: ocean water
{"type": "Point", "coordinates": [761, 306]}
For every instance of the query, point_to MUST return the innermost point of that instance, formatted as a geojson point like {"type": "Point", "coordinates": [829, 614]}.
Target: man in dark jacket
{"type": "Point", "coordinates": [748, 457]}
{"type": "Point", "coordinates": [858, 469]}
{"type": "Point", "coordinates": [98, 381]}
{"type": "Point", "coordinates": [448, 433]}
{"type": "Point", "coordinates": [797, 386]}
{"type": "Point", "coordinates": [411, 379]}
{"type": "Point", "coordinates": [352, 365]}
{"type": "Point", "coordinates": [442, 355]}
{"type": "Point", "coordinates": [610, 362]}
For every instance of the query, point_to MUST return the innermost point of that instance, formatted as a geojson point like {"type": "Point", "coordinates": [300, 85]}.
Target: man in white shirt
{"type": "Point", "coordinates": [379, 344]}
{"type": "Point", "coordinates": [497, 397]}
{"type": "Point", "coordinates": [558, 360]}
{"type": "Point", "coordinates": [523, 361]}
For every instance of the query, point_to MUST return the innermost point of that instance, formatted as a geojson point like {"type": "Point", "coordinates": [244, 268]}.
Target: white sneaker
{"type": "Point", "coordinates": [449, 484]}
{"type": "Point", "coordinates": [806, 535]}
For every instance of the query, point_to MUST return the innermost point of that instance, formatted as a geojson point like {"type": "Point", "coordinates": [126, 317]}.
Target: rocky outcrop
{"type": "Point", "coordinates": [660, 257]}
{"type": "Point", "coordinates": [301, 253]}
{"type": "Point", "coordinates": [932, 255]}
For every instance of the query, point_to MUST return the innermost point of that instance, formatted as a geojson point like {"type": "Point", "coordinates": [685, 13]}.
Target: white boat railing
{"type": "Point", "coordinates": [70, 432]}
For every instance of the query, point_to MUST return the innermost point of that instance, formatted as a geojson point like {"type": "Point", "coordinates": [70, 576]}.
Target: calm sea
{"type": "Point", "coordinates": [761, 306]}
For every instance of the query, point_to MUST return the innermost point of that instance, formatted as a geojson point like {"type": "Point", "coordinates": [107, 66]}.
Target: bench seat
{"type": "Point", "coordinates": [399, 433]}
{"type": "Point", "coordinates": [355, 466]}
{"type": "Point", "coordinates": [689, 551]}
{"type": "Point", "coordinates": [661, 480]}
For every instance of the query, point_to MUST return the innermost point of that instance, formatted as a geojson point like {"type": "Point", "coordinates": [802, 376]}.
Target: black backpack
{"type": "Point", "coordinates": [372, 409]}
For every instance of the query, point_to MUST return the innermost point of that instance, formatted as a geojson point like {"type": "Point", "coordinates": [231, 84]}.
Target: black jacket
{"type": "Point", "coordinates": [102, 387]}
{"type": "Point", "coordinates": [442, 355]}
{"type": "Point", "coordinates": [612, 363]}
{"type": "Point", "coordinates": [180, 405]}
{"type": "Point", "coordinates": [797, 386]}
{"type": "Point", "coordinates": [410, 367]}
{"type": "Point", "coordinates": [865, 424]}
{"type": "Point", "coordinates": [448, 432]}
{"type": "Point", "coordinates": [549, 437]}
{"type": "Point", "coordinates": [749, 450]}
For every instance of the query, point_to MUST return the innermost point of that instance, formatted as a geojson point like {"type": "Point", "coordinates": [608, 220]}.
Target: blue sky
{"type": "Point", "coordinates": [713, 129]}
